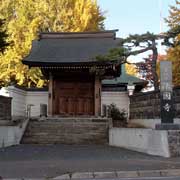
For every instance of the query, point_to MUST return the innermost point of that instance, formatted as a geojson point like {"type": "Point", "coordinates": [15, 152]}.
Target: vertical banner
{"type": "Point", "coordinates": [166, 91]}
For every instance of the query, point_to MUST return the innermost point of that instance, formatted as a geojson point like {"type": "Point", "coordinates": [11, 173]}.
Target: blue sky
{"type": "Point", "coordinates": [135, 16]}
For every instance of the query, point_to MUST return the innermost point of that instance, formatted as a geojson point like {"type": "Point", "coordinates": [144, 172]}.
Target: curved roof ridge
{"type": "Point", "coordinates": [73, 35]}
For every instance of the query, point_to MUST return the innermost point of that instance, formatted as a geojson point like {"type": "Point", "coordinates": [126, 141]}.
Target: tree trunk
{"type": "Point", "coordinates": [154, 64]}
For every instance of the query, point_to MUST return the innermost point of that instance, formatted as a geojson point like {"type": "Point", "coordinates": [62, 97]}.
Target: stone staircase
{"type": "Point", "coordinates": [67, 131]}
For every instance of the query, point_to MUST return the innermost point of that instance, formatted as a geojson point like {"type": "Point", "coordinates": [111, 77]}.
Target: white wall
{"type": "Point", "coordinates": [154, 142]}
{"type": "Point", "coordinates": [4, 91]}
{"type": "Point", "coordinates": [11, 135]}
{"type": "Point", "coordinates": [21, 99]}
{"type": "Point", "coordinates": [18, 104]}
{"type": "Point", "coordinates": [36, 98]}
{"type": "Point", "coordinates": [121, 99]}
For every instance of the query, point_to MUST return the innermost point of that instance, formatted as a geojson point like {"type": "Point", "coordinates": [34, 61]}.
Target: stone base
{"type": "Point", "coordinates": [167, 126]}
{"type": "Point", "coordinates": [164, 143]}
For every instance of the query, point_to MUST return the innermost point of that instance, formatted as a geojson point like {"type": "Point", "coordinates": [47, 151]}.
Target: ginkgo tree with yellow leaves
{"type": "Point", "coordinates": [26, 18]}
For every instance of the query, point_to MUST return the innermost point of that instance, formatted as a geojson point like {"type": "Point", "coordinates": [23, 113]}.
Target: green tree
{"type": "Point", "coordinates": [145, 42]}
{"type": "Point", "coordinates": [25, 18]}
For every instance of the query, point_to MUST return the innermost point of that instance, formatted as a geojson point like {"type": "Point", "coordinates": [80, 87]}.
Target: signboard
{"type": "Point", "coordinates": [166, 90]}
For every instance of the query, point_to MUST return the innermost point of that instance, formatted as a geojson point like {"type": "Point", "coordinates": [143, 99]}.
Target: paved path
{"type": "Point", "coordinates": [148, 178]}
{"type": "Point", "coordinates": [33, 161]}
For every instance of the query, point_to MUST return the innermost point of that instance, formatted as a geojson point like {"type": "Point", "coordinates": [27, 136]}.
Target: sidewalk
{"type": "Point", "coordinates": [120, 174]}
{"type": "Point", "coordinates": [33, 161]}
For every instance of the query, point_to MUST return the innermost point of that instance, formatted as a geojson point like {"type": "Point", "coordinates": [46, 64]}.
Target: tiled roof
{"type": "Point", "coordinates": [124, 78]}
{"type": "Point", "coordinates": [70, 47]}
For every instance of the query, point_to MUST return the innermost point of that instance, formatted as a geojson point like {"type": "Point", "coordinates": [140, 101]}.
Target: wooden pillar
{"type": "Point", "coordinates": [50, 95]}
{"type": "Point", "coordinates": [97, 96]}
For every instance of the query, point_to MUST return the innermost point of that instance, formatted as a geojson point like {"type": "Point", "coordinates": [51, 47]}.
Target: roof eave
{"type": "Point", "coordinates": [56, 64]}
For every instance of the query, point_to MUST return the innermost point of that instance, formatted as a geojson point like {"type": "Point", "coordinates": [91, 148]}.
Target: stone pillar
{"type": "Point", "coordinates": [50, 95]}
{"type": "Point", "coordinates": [97, 96]}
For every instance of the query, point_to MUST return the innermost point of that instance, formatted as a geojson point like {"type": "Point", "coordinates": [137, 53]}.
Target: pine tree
{"type": "Point", "coordinates": [145, 42]}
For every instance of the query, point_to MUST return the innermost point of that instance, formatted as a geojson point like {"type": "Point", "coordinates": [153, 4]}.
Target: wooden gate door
{"type": "Point", "coordinates": [74, 98]}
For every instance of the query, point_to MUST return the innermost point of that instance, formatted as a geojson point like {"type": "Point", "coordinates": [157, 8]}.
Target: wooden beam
{"type": "Point", "coordinates": [97, 96]}
{"type": "Point", "coordinates": [50, 95]}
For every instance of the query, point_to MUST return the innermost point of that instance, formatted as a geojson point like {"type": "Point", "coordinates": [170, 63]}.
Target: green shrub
{"type": "Point", "coordinates": [117, 115]}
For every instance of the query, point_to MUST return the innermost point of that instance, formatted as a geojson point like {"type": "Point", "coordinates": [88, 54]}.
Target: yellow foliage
{"type": "Point", "coordinates": [173, 54]}
{"type": "Point", "coordinates": [26, 18]}
{"type": "Point", "coordinates": [131, 69]}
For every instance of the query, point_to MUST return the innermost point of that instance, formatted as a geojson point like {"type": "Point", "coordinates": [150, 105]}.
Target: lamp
{"type": "Point", "coordinates": [130, 88]}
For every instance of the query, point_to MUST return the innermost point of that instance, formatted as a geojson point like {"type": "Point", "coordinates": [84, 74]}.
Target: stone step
{"type": "Point", "coordinates": [72, 136]}
{"type": "Point", "coordinates": [69, 128]}
{"type": "Point", "coordinates": [65, 128]}
{"type": "Point", "coordinates": [79, 136]}
{"type": "Point", "coordinates": [75, 131]}
{"type": "Point", "coordinates": [48, 119]}
{"type": "Point", "coordinates": [64, 139]}
{"type": "Point", "coordinates": [49, 123]}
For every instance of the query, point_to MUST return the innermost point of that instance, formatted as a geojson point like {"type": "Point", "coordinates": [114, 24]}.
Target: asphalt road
{"type": "Point", "coordinates": [33, 161]}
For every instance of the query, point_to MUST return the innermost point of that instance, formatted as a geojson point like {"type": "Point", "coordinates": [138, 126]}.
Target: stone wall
{"type": "Point", "coordinates": [174, 142]}
{"type": "Point", "coordinates": [5, 108]}
{"type": "Point", "coordinates": [177, 101]}
{"type": "Point", "coordinates": [147, 105]}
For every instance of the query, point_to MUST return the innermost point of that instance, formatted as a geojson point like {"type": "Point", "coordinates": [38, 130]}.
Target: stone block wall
{"type": "Point", "coordinates": [174, 142]}
{"type": "Point", "coordinates": [177, 101]}
{"type": "Point", "coordinates": [5, 108]}
{"type": "Point", "coordinates": [147, 105]}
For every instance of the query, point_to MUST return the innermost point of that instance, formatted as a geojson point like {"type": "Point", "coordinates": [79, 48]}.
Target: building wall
{"type": "Point", "coordinates": [21, 99]}
{"type": "Point", "coordinates": [121, 99]}
{"type": "Point", "coordinates": [36, 98]}
{"type": "Point", "coordinates": [18, 101]}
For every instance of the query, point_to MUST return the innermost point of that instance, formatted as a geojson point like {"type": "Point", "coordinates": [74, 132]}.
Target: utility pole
{"type": "Point", "coordinates": [160, 24]}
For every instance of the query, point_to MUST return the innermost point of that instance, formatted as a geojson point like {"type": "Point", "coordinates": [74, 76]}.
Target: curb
{"type": "Point", "coordinates": [119, 174]}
